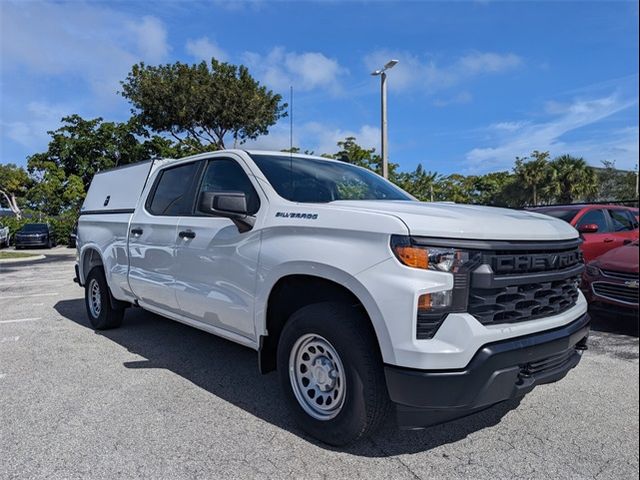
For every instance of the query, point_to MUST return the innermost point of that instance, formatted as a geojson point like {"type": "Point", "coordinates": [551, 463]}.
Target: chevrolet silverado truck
{"type": "Point", "coordinates": [364, 300]}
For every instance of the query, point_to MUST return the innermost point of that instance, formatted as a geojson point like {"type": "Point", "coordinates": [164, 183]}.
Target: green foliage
{"type": "Point", "coordinates": [535, 180]}
{"type": "Point", "coordinates": [532, 173]}
{"type": "Point", "coordinates": [78, 150]}
{"type": "Point", "coordinates": [353, 153]}
{"type": "Point", "coordinates": [615, 184]}
{"type": "Point", "coordinates": [572, 179]}
{"type": "Point", "coordinates": [14, 224]}
{"type": "Point", "coordinates": [199, 105]}
{"type": "Point", "coordinates": [61, 225]}
{"type": "Point", "coordinates": [14, 184]}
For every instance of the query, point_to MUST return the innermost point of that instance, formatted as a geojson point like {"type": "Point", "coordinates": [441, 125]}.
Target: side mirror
{"type": "Point", "coordinates": [232, 205]}
{"type": "Point", "coordinates": [225, 204]}
{"type": "Point", "coordinates": [588, 228]}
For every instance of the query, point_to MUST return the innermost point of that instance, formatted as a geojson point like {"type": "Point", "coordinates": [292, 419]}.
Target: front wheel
{"type": "Point", "coordinates": [332, 374]}
{"type": "Point", "coordinates": [98, 302]}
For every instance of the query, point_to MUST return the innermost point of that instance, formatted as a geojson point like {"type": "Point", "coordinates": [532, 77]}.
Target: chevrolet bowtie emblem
{"type": "Point", "coordinates": [632, 283]}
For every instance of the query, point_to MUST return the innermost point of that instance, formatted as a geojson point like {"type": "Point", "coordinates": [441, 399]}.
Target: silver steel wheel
{"type": "Point", "coordinates": [317, 377]}
{"type": "Point", "coordinates": [95, 299]}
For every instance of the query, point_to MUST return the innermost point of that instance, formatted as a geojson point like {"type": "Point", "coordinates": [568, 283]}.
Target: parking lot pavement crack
{"type": "Point", "coordinates": [603, 467]}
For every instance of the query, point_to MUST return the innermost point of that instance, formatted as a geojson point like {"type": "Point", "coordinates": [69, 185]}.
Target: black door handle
{"type": "Point", "coordinates": [608, 240]}
{"type": "Point", "coordinates": [136, 231]}
{"type": "Point", "coordinates": [187, 234]}
{"type": "Point", "coordinates": [627, 242]}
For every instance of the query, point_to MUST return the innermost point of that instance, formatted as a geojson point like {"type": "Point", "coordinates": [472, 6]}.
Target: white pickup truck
{"type": "Point", "coordinates": [362, 298]}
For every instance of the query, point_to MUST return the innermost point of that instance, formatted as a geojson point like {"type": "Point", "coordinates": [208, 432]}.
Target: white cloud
{"type": "Point", "coordinates": [91, 42]}
{"type": "Point", "coordinates": [306, 71]}
{"type": "Point", "coordinates": [151, 38]}
{"type": "Point", "coordinates": [458, 99]}
{"type": "Point", "coordinates": [507, 126]}
{"type": "Point", "coordinates": [513, 139]}
{"type": "Point", "coordinates": [204, 49]}
{"type": "Point", "coordinates": [42, 117]}
{"type": "Point", "coordinates": [431, 76]}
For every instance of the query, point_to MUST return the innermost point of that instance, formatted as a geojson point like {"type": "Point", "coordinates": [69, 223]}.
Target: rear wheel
{"type": "Point", "coordinates": [332, 374]}
{"type": "Point", "coordinates": [98, 302]}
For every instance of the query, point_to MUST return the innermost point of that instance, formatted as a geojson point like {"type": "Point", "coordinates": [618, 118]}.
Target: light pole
{"type": "Point", "coordinates": [383, 112]}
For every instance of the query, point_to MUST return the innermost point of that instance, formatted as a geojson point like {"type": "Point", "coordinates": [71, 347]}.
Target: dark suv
{"type": "Point", "coordinates": [34, 235]}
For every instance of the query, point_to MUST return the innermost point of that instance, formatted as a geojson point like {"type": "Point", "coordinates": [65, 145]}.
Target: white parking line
{"type": "Point", "coordinates": [15, 338]}
{"type": "Point", "coordinates": [23, 280]}
{"type": "Point", "coordinates": [18, 320]}
{"type": "Point", "coordinates": [53, 294]}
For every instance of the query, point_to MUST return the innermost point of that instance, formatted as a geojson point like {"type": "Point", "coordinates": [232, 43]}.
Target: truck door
{"type": "Point", "coordinates": [216, 264]}
{"type": "Point", "coordinates": [153, 233]}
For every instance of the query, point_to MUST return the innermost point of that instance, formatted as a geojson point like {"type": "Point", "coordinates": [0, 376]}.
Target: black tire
{"type": "Point", "coordinates": [104, 317]}
{"type": "Point", "coordinates": [366, 400]}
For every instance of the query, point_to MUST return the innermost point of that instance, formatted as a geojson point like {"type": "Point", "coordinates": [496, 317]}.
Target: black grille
{"type": "Point", "coordinates": [616, 291]}
{"type": "Point", "coordinates": [519, 303]}
{"type": "Point", "coordinates": [620, 275]}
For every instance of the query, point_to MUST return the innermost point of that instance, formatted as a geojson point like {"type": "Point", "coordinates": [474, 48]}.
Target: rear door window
{"type": "Point", "coordinates": [172, 194]}
{"type": "Point", "coordinates": [621, 222]}
{"type": "Point", "coordinates": [596, 217]}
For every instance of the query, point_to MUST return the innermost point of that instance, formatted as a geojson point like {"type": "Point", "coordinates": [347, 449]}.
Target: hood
{"type": "Point", "coordinates": [450, 220]}
{"type": "Point", "coordinates": [621, 259]}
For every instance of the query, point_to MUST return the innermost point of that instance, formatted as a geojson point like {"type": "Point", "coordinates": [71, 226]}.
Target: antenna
{"type": "Point", "coordinates": [291, 118]}
{"type": "Point", "coordinates": [291, 140]}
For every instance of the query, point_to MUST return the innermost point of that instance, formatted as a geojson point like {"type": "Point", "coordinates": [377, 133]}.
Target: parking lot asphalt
{"type": "Point", "coordinates": [157, 399]}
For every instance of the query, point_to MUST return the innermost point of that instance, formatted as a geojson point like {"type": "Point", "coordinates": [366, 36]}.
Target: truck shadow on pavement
{"type": "Point", "coordinates": [230, 372]}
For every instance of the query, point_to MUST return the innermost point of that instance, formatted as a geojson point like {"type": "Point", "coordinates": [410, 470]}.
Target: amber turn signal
{"type": "Point", "coordinates": [413, 256]}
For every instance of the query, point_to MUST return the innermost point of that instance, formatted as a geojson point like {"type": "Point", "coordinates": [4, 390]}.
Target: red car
{"type": "Point", "coordinates": [603, 227]}
{"type": "Point", "coordinates": [610, 283]}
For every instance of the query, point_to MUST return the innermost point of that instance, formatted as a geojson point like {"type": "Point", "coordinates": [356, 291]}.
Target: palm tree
{"type": "Point", "coordinates": [533, 173]}
{"type": "Point", "coordinates": [573, 179]}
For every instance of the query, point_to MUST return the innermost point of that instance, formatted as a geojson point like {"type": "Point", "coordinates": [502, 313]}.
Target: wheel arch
{"type": "Point", "coordinates": [298, 288]}
{"type": "Point", "coordinates": [90, 257]}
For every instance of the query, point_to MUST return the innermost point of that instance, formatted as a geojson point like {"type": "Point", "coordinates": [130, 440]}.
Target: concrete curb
{"type": "Point", "coordinates": [23, 259]}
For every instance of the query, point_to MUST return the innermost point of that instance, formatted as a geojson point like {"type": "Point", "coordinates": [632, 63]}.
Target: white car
{"type": "Point", "coordinates": [4, 237]}
{"type": "Point", "coordinates": [360, 296]}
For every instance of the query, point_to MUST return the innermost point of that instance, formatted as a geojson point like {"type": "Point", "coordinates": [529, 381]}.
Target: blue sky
{"type": "Point", "coordinates": [478, 82]}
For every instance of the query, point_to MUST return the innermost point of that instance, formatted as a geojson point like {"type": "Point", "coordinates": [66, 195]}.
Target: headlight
{"type": "Point", "coordinates": [441, 259]}
{"type": "Point", "coordinates": [433, 307]}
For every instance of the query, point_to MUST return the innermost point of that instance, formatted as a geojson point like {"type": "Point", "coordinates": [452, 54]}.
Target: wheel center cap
{"type": "Point", "coordinates": [322, 373]}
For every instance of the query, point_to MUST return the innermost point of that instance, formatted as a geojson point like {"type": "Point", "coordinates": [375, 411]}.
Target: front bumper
{"type": "Point", "coordinates": [499, 371]}
{"type": "Point", "coordinates": [31, 242]}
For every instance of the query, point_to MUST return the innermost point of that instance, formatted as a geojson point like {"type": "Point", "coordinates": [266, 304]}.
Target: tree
{"type": "Point", "coordinates": [420, 183]}
{"type": "Point", "coordinates": [200, 105]}
{"type": "Point", "coordinates": [533, 173]}
{"type": "Point", "coordinates": [14, 184]}
{"type": "Point", "coordinates": [490, 188]}
{"type": "Point", "coordinates": [355, 154]}
{"type": "Point", "coordinates": [77, 151]}
{"type": "Point", "coordinates": [615, 184]}
{"type": "Point", "coordinates": [572, 179]}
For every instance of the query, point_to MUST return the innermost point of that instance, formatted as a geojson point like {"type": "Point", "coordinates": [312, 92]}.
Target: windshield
{"type": "Point", "coordinates": [35, 227]}
{"type": "Point", "coordinates": [312, 180]}
{"type": "Point", "coordinates": [563, 214]}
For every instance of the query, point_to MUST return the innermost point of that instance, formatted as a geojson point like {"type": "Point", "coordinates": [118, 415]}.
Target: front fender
{"type": "Point", "coordinates": [327, 272]}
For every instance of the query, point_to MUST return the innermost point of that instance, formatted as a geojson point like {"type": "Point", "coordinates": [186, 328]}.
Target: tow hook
{"type": "Point", "coordinates": [582, 344]}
